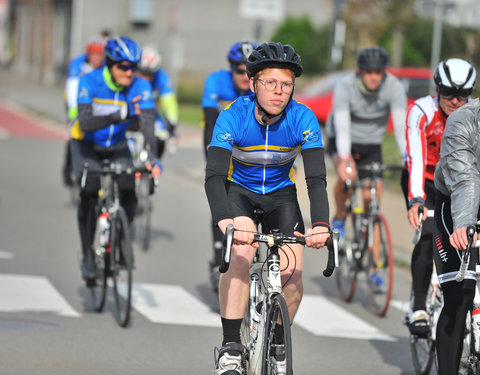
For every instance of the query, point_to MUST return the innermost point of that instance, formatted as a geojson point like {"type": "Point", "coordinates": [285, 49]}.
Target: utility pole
{"type": "Point", "coordinates": [337, 40]}
{"type": "Point", "coordinates": [440, 6]}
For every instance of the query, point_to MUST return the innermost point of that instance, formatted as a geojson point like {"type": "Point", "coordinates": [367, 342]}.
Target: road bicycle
{"type": "Point", "coordinates": [267, 309]}
{"type": "Point", "coordinates": [363, 231]}
{"type": "Point", "coordinates": [112, 250]}
{"type": "Point", "coordinates": [422, 348]}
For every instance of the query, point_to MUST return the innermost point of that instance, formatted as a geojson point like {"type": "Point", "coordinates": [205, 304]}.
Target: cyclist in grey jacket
{"type": "Point", "coordinates": [457, 180]}
{"type": "Point", "coordinates": [362, 103]}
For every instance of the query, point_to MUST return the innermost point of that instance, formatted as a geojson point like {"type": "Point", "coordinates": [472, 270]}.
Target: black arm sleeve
{"type": "Point", "coordinates": [218, 162]}
{"type": "Point", "coordinates": [89, 122]}
{"type": "Point", "coordinates": [210, 115]}
{"type": "Point", "coordinates": [316, 178]}
{"type": "Point", "coordinates": [147, 124]}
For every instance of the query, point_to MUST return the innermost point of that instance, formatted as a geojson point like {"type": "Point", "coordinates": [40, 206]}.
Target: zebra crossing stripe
{"type": "Point", "coordinates": [172, 304]}
{"type": "Point", "coordinates": [321, 317]}
{"type": "Point", "coordinates": [32, 293]}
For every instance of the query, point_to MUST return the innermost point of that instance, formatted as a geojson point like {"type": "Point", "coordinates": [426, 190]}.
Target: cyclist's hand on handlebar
{"type": "Point", "coordinates": [413, 214]}
{"type": "Point", "coordinates": [316, 237]}
{"type": "Point", "coordinates": [156, 169]}
{"type": "Point", "coordinates": [346, 169]}
{"type": "Point", "coordinates": [459, 239]}
{"type": "Point", "coordinates": [245, 229]}
{"type": "Point", "coordinates": [245, 233]}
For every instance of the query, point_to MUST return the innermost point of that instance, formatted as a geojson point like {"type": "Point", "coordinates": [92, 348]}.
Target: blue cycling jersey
{"type": "Point", "coordinates": [219, 90]}
{"type": "Point", "coordinates": [263, 155]}
{"type": "Point", "coordinates": [161, 84]}
{"type": "Point", "coordinates": [93, 89]}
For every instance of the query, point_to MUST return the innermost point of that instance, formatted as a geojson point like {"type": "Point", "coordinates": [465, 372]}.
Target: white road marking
{"type": "Point", "coordinates": [321, 317]}
{"type": "Point", "coordinates": [403, 306]}
{"type": "Point", "coordinates": [32, 293]}
{"type": "Point", "coordinates": [171, 304]}
{"type": "Point", "coordinates": [5, 254]}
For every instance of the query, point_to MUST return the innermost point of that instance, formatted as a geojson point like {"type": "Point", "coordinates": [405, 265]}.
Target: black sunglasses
{"type": "Point", "coordinates": [127, 67]}
{"type": "Point", "coordinates": [450, 93]}
{"type": "Point", "coordinates": [240, 71]}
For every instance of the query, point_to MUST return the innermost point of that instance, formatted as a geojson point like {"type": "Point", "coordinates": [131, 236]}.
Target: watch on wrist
{"type": "Point", "coordinates": [416, 200]}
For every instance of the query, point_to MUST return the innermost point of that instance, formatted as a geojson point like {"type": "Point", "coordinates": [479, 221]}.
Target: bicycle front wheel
{"type": "Point", "coordinates": [380, 268]}
{"type": "Point", "coordinates": [143, 219]}
{"type": "Point", "coordinates": [346, 273]}
{"type": "Point", "coordinates": [277, 348]}
{"type": "Point", "coordinates": [469, 362]}
{"type": "Point", "coordinates": [121, 266]}
{"type": "Point", "coordinates": [422, 350]}
{"type": "Point", "coordinates": [98, 286]}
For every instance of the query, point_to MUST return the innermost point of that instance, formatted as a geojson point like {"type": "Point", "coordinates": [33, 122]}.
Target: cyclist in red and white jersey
{"type": "Point", "coordinates": [425, 124]}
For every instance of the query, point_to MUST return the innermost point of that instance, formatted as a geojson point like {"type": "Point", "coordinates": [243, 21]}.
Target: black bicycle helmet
{"type": "Point", "coordinates": [372, 58]}
{"type": "Point", "coordinates": [274, 55]}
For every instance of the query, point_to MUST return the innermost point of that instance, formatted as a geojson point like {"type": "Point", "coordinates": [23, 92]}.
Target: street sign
{"type": "Point", "coordinates": [262, 9]}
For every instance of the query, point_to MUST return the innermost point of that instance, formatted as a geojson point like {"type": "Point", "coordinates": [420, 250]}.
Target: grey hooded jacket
{"type": "Point", "coordinates": [458, 173]}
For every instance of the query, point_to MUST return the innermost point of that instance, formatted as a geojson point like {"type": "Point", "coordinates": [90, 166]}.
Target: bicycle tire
{"type": "Point", "coordinates": [143, 218]}
{"type": "Point", "coordinates": [380, 300]}
{"type": "Point", "coordinates": [422, 351]}
{"type": "Point", "coordinates": [346, 273]}
{"type": "Point", "coordinates": [98, 287]}
{"type": "Point", "coordinates": [469, 361]}
{"type": "Point", "coordinates": [277, 313]}
{"type": "Point", "coordinates": [121, 266]}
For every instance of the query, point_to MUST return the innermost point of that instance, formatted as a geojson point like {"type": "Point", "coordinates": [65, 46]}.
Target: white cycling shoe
{"type": "Point", "coordinates": [229, 360]}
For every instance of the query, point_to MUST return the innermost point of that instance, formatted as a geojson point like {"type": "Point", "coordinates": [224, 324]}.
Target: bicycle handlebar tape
{"type": "Point", "coordinates": [226, 249]}
{"type": "Point", "coordinates": [331, 257]}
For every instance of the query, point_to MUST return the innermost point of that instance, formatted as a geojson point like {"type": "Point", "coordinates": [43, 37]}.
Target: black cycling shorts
{"type": "Point", "coordinates": [362, 154]}
{"type": "Point", "coordinates": [281, 209]}
{"type": "Point", "coordinates": [447, 258]}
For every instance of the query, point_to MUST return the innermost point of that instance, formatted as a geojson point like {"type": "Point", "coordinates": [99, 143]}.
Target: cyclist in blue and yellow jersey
{"type": "Point", "coordinates": [108, 100]}
{"type": "Point", "coordinates": [250, 165]}
{"type": "Point", "coordinates": [221, 88]}
{"type": "Point", "coordinates": [163, 95]}
{"type": "Point", "coordinates": [86, 62]}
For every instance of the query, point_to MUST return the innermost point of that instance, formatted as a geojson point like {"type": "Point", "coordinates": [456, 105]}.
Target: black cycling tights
{"type": "Point", "coordinates": [458, 299]}
{"type": "Point", "coordinates": [421, 266]}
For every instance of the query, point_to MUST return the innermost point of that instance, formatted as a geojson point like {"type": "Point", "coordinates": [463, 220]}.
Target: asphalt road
{"type": "Point", "coordinates": [46, 323]}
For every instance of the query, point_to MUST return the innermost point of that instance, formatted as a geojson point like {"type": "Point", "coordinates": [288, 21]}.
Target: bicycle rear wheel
{"type": "Point", "coordinates": [346, 273]}
{"type": "Point", "coordinates": [380, 294]}
{"type": "Point", "coordinates": [121, 266]}
{"type": "Point", "coordinates": [278, 340]}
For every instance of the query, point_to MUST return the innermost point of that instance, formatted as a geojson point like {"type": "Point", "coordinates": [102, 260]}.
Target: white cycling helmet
{"type": "Point", "coordinates": [151, 61]}
{"type": "Point", "coordinates": [456, 74]}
